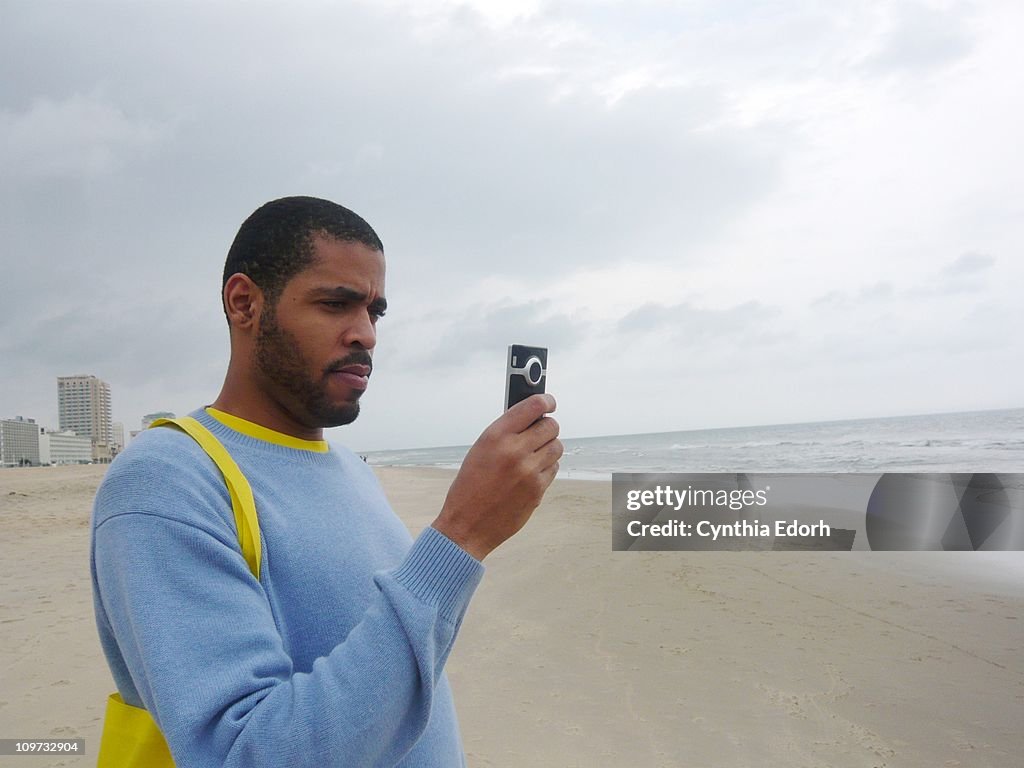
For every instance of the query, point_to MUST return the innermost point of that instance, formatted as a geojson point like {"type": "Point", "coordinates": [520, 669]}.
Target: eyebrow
{"type": "Point", "coordinates": [344, 293]}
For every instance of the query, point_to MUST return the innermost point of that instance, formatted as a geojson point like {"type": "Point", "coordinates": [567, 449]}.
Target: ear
{"type": "Point", "coordinates": [243, 301]}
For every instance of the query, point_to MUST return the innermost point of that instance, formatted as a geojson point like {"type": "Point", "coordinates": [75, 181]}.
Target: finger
{"type": "Point", "coordinates": [550, 453]}
{"type": "Point", "coordinates": [545, 456]}
{"type": "Point", "coordinates": [540, 433]}
{"type": "Point", "coordinates": [547, 476]}
{"type": "Point", "coordinates": [521, 415]}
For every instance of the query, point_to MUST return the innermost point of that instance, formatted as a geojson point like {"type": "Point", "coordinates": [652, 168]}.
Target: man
{"type": "Point", "coordinates": [334, 656]}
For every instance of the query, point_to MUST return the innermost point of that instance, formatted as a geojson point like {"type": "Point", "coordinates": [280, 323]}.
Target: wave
{"type": "Point", "coordinates": [986, 442]}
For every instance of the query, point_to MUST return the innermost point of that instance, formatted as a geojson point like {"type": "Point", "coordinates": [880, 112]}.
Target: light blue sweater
{"type": "Point", "coordinates": [333, 658]}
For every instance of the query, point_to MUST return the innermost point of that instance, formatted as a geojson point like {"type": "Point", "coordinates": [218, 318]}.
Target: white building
{"type": "Point", "coordinates": [19, 442]}
{"type": "Point", "coordinates": [83, 405]}
{"type": "Point", "coordinates": [64, 448]}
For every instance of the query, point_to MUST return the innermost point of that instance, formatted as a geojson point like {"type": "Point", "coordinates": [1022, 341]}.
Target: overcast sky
{"type": "Point", "coordinates": [713, 213]}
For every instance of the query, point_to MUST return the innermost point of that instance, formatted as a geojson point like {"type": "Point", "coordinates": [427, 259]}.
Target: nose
{"type": "Point", "coordinates": [362, 331]}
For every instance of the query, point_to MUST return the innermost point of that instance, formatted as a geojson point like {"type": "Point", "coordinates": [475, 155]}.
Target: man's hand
{"type": "Point", "coordinates": [503, 477]}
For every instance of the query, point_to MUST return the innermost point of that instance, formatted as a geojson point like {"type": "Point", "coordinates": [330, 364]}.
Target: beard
{"type": "Point", "coordinates": [279, 360]}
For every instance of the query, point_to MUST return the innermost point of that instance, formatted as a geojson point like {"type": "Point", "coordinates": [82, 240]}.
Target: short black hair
{"type": "Point", "coordinates": [276, 242]}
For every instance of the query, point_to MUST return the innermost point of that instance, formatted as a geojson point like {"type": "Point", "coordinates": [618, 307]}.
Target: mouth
{"type": "Point", "coordinates": [355, 376]}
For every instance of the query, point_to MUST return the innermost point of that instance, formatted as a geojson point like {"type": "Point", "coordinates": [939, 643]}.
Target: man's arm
{"type": "Point", "coordinates": [201, 646]}
{"type": "Point", "coordinates": [503, 478]}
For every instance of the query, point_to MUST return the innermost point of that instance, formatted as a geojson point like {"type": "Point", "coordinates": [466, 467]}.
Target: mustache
{"type": "Point", "coordinates": [359, 357]}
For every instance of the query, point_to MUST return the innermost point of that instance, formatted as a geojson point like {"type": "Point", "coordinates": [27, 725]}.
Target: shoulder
{"type": "Point", "coordinates": [159, 450]}
{"type": "Point", "coordinates": [163, 472]}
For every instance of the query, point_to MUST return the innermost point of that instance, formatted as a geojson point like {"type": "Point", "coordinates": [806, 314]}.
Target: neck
{"type": "Point", "coordinates": [241, 396]}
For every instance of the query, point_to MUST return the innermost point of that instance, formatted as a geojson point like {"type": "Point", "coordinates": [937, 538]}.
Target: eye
{"type": "Point", "coordinates": [376, 314]}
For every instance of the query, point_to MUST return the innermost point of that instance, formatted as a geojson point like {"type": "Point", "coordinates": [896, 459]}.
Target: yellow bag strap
{"type": "Point", "coordinates": [131, 738]}
{"type": "Point", "coordinates": [242, 502]}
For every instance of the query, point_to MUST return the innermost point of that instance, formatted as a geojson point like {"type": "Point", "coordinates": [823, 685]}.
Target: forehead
{"type": "Point", "coordinates": [350, 263]}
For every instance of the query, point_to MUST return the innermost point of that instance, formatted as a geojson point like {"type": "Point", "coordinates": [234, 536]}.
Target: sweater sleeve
{"type": "Point", "coordinates": [199, 640]}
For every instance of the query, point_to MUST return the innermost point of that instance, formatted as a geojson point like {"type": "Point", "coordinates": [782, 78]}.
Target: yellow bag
{"type": "Point", "coordinates": [131, 738]}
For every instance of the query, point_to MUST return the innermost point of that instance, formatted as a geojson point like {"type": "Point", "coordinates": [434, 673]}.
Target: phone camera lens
{"type": "Point", "coordinates": [534, 371]}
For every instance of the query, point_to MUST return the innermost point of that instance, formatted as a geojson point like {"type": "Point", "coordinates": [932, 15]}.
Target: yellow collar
{"type": "Point", "coordinates": [269, 435]}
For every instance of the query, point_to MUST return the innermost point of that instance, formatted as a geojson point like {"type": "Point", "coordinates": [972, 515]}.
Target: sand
{"type": "Point", "coordinates": [572, 655]}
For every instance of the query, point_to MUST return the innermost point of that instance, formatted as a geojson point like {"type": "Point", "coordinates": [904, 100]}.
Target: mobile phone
{"type": "Point", "coordinates": [526, 374]}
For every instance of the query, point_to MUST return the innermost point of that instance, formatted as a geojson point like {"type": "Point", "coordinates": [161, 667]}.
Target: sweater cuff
{"type": "Point", "coordinates": [440, 572]}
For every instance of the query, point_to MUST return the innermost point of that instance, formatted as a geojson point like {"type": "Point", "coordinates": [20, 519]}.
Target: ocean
{"type": "Point", "coordinates": [978, 441]}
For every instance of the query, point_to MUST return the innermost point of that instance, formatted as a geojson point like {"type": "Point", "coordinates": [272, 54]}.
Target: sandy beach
{"type": "Point", "coordinates": [572, 655]}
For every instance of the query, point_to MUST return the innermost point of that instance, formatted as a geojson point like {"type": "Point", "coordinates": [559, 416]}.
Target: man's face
{"type": "Point", "coordinates": [314, 346]}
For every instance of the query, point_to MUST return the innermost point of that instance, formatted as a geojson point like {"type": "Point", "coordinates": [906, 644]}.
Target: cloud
{"type": "Point", "coordinates": [609, 179]}
{"type": "Point", "coordinates": [500, 174]}
{"type": "Point", "coordinates": [879, 292]}
{"type": "Point", "coordinates": [964, 275]}
{"type": "Point", "coordinates": [970, 263]}
{"type": "Point", "coordinates": [77, 137]}
{"type": "Point", "coordinates": [922, 36]}
{"type": "Point", "coordinates": [695, 325]}
{"type": "Point", "coordinates": [480, 331]}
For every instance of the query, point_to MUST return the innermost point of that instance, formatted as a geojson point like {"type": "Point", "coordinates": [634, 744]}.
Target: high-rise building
{"type": "Point", "coordinates": [119, 436]}
{"type": "Point", "coordinates": [19, 442]}
{"type": "Point", "coordinates": [83, 406]}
